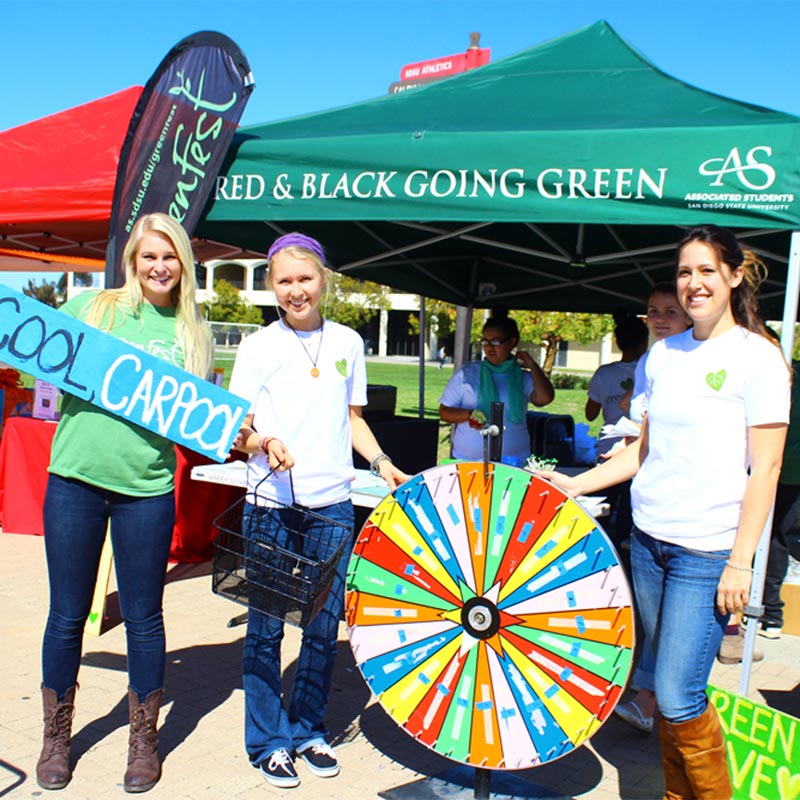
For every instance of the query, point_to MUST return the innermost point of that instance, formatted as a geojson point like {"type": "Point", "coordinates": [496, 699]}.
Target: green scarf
{"type": "Point", "coordinates": [516, 404]}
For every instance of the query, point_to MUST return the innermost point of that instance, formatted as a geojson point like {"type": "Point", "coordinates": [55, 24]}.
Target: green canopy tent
{"type": "Point", "coordinates": [559, 178]}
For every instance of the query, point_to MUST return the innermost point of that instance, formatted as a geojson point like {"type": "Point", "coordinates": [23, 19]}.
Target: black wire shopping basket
{"type": "Point", "coordinates": [276, 559]}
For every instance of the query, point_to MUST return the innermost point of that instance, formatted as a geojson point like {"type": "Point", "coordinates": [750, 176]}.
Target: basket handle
{"type": "Point", "coordinates": [272, 471]}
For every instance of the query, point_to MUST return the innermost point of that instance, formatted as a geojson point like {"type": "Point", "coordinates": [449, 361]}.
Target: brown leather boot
{"type": "Point", "coordinates": [675, 780]}
{"type": "Point", "coordinates": [144, 766]}
{"type": "Point", "coordinates": [53, 770]}
{"type": "Point", "coordinates": [702, 746]}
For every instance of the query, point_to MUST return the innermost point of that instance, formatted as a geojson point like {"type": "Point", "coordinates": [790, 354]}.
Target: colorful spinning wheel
{"type": "Point", "coordinates": [490, 616]}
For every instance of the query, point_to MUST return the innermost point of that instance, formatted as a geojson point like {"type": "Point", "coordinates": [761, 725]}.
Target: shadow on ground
{"type": "Point", "coordinates": [575, 773]}
{"type": "Point", "coordinates": [191, 693]}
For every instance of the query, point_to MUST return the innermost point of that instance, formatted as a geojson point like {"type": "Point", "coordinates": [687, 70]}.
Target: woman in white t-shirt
{"type": "Point", "coordinates": [607, 387]}
{"type": "Point", "coordinates": [305, 378]}
{"type": "Point", "coordinates": [665, 317]}
{"type": "Point", "coordinates": [611, 382]}
{"type": "Point", "coordinates": [706, 467]}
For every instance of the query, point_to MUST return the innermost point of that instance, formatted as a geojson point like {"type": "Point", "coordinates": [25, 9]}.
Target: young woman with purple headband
{"type": "Point", "coordinates": [305, 378]}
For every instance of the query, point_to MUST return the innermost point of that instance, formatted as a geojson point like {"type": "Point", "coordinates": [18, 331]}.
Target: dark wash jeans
{"type": "Point", "coordinates": [76, 515]}
{"type": "Point", "coordinates": [268, 724]}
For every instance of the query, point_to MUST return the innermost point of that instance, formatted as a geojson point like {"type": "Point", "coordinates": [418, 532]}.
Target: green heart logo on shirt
{"type": "Point", "coordinates": [341, 367]}
{"type": "Point", "coordinates": [627, 384]}
{"type": "Point", "coordinates": [716, 379]}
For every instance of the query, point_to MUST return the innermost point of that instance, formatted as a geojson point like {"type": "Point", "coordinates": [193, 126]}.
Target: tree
{"type": "Point", "coordinates": [352, 302]}
{"type": "Point", "coordinates": [78, 278]}
{"type": "Point", "coordinates": [552, 327]}
{"type": "Point", "coordinates": [46, 292]}
{"type": "Point", "coordinates": [547, 328]}
{"type": "Point", "coordinates": [439, 314]}
{"type": "Point", "coordinates": [227, 305]}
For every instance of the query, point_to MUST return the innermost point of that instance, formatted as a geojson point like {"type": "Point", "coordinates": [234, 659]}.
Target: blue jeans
{"type": "Point", "coordinates": [269, 726]}
{"type": "Point", "coordinates": [644, 676]}
{"type": "Point", "coordinates": [676, 590]}
{"type": "Point", "coordinates": [76, 516]}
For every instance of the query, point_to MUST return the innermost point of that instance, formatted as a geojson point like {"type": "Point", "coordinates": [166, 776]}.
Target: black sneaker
{"type": "Point", "coordinates": [279, 770]}
{"type": "Point", "coordinates": [321, 760]}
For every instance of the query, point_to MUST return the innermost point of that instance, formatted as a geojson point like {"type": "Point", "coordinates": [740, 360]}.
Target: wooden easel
{"type": "Point", "coordinates": [94, 622]}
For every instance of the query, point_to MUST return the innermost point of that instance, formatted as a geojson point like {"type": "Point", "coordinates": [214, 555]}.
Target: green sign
{"type": "Point", "coordinates": [763, 748]}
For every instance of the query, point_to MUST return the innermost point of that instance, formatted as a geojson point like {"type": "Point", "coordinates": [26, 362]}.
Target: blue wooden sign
{"type": "Point", "coordinates": [117, 377]}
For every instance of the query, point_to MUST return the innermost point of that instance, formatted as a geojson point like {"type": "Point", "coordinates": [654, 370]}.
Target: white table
{"type": "Point", "coordinates": [368, 490]}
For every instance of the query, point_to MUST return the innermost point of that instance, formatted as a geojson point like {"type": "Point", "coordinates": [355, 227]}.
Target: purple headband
{"type": "Point", "coordinates": [297, 240]}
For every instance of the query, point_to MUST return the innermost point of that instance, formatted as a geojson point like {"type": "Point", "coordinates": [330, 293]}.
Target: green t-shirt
{"type": "Point", "coordinates": [102, 449]}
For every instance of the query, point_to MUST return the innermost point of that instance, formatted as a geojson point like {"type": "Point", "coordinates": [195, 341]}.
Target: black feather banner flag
{"type": "Point", "coordinates": [177, 139]}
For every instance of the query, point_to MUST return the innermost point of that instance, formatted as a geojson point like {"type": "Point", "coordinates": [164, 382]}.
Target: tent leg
{"type": "Point", "coordinates": [462, 337]}
{"type": "Point", "coordinates": [422, 324]}
{"type": "Point", "coordinates": [754, 608]}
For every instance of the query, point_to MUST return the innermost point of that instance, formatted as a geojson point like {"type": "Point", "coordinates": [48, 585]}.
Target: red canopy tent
{"type": "Point", "coordinates": [57, 185]}
{"type": "Point", "coordinates": [58, 180]}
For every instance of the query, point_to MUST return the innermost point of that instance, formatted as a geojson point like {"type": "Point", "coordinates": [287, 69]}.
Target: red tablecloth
{"type": "Point", "coordinates": [197, 505]}
{"type": "Point", "coordinates": [25, 454]}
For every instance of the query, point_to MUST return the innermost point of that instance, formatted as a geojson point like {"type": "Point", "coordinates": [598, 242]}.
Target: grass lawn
{"type": "Point", "coordinates": [405, 377]}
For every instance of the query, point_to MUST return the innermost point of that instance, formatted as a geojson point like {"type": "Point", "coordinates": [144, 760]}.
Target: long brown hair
{"type": "Point", "coordinates": [727, 249]}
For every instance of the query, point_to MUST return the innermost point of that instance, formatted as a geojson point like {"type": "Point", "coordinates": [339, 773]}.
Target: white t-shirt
{"type": "Point", "coordinates": [309, 415]}
{"type": "Point", "coordinates": [701, 397]}
{"type": "Point", "coordinates": [462, 392]}
{"type": "Point", "coordinates": [607, 387]}
{"type": "Point", "coordinates": [638, 406]}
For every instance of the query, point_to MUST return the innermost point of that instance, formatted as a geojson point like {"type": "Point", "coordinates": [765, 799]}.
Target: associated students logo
{"type": "Point", "coordinates": [754, 174]}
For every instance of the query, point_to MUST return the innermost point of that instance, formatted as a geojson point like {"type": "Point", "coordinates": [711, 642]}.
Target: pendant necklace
{"type": "Point", "coordinates": [314, 369]}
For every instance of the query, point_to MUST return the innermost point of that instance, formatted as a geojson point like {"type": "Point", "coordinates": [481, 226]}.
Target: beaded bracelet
{"type": "Point", "coordinates": [264, 441]}
{"type": "Point", "coordinates": [737, 567]}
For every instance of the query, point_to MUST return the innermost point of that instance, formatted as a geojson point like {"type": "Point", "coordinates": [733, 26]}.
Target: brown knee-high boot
{"type": "Point", "coordinates": [675, 780]}
{"type": "Point", "coordinates": [53, 770]}
{"type": "Point", "coordinates": [144, 766]}
{"type": "Point", "coordinates": [701, 745]}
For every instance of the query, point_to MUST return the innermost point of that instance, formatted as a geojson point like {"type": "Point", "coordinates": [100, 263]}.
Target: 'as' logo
{"type": "Point", "coordinates": [753, 173]}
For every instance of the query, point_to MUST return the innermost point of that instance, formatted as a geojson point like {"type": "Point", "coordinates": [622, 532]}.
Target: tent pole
{"type": "Point", "coordinates": [791, 299]}
{"type": "Point", "coordinates": [754, 607]}
{"type": "Point", "coordinates": [422, 324]}
{"type": "Point", "coordinates": [462, 336]}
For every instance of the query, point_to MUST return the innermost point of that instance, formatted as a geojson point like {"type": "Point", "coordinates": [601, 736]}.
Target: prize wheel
{"type": "Point", "coordinates": [490, 615]}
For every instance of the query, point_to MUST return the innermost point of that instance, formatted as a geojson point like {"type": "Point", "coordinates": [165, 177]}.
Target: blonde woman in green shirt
{"type": "Point", "coordinates": [105, 470]}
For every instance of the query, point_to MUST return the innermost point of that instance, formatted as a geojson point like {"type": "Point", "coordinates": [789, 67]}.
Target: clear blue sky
{"type": "Point", "coordinates": [308, 55]}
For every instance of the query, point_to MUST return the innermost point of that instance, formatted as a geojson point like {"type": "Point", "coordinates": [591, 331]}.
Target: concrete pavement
{"type": "Point", "coordinates": [201, 718]}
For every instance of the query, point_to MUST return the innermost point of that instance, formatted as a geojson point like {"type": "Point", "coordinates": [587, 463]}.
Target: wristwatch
{"type": "Point", "coordinates": [375, 463]}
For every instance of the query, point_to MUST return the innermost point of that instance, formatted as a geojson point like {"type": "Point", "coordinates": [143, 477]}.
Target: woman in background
{"type": "Point", "coordinates": [608, 386]}
{"type": "Point", "coordinates": [502, 376]}
{"type": "Point", "coordinates": [665, 317]}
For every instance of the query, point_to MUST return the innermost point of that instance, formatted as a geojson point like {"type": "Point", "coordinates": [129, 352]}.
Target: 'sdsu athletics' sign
{"type": "Point", "coordinates": [119, 378]}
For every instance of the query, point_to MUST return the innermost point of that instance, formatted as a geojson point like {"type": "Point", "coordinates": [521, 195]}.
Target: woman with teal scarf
{"type": "Point", "coordinates": [514, 380]}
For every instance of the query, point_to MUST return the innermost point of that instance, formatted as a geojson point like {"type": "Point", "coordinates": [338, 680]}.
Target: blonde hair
{"type": "Point", "coordinates": [306, 255]}
{"type": "Point", "coordinates": [192, 332]}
